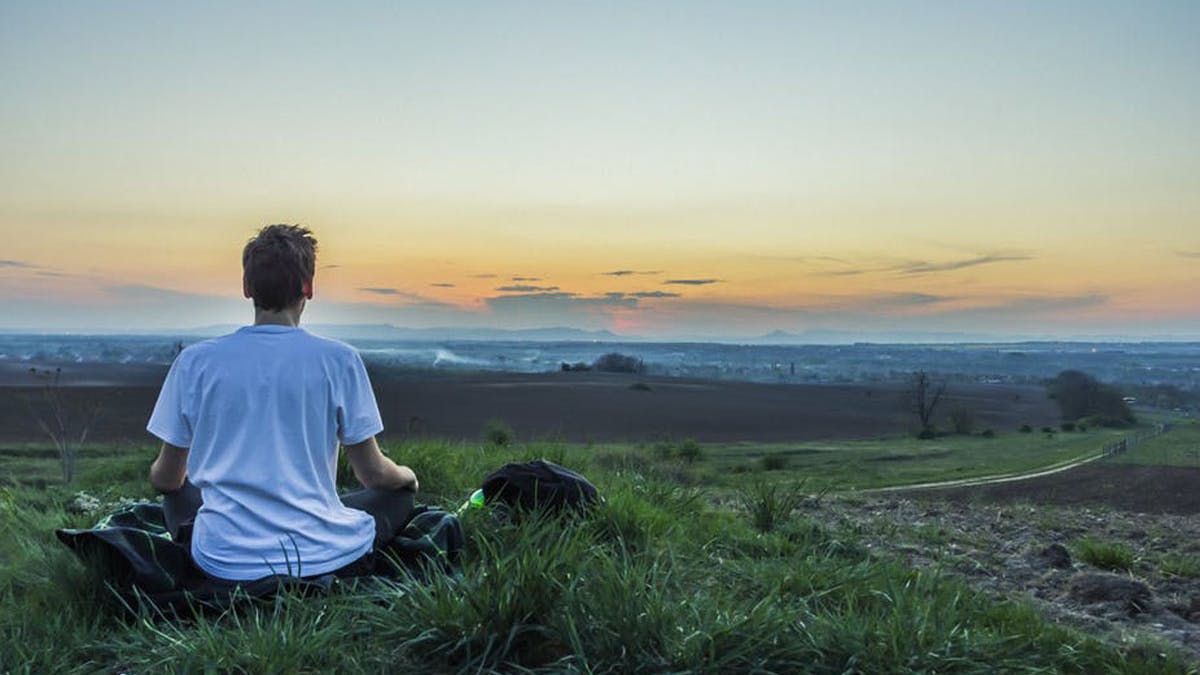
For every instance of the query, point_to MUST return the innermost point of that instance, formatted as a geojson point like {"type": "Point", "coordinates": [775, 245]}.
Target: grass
{"type": "Point", "coordinates": [1179, 565]}
{"type": "Point", "coordinates": [1178, 447]}
{"type": "Point", "coordinates": [864, 464]}
{"type": "Point", "coordinates": [770, 504]}
{"type": "Point", "coordinates": [661, 578]}
{"type": "Point", "coordinates": [1113, 556]}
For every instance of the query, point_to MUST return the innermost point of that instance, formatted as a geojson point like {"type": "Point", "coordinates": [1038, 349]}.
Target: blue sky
{"type": "Point", "coordinates": [960, 165]}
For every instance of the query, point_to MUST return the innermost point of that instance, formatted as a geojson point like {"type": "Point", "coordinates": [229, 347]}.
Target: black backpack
{"type": "Point", "coordinates": [538, 485]}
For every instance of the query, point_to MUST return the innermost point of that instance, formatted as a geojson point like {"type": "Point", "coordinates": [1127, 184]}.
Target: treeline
{"type": "Point", "coordinates": [1084, 399]}
{"type": "Point", "coordinates": [1163, 395]}
{"type": "Point", "coordinates": [612, 362]}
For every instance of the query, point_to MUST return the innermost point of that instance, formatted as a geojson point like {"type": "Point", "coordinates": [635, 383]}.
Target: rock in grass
{"type": "Point", "coordinates": [1096, 587]}
{"type": "Point", "coordinates": [1055, 555]}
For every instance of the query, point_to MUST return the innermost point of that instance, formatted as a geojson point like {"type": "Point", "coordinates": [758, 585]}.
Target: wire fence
{"type": "Point", "coordinates": [1130, 442]}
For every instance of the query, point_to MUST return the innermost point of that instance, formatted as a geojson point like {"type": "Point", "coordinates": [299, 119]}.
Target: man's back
{"type": "Point", "coordinates": [262, 411]}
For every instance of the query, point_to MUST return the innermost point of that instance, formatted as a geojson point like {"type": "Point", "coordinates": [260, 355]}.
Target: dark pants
{"type": "Point", "coordinates": [391, 510]}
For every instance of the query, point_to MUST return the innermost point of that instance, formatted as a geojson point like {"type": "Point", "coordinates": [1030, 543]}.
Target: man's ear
{"type": "Point", "coordinates": [307, 287]}
{"type": "Point", "coordinates": [245, 288]}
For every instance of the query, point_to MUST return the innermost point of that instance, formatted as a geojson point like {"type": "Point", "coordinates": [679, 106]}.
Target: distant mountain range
{"type": "Point", "coordinates": [815, 336]}
{"type": "Point", "coordinates": [386, 331]}
{"type": "Point", "coordinates": [822, 336]}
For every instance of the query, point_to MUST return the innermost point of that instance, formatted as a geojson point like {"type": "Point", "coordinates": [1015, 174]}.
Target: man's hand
{"type": "Point", "coordinates": [374, 470]}
{"type": "Point", "coordinates": [169, 470]}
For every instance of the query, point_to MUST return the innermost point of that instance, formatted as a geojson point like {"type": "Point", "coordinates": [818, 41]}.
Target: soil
{"type": "Point", "coordinates": [1017, 537]}
{"type": "Point", "coordinates": [1031, 551]}
{"type": "Point", "coordinates": [1128, 487]}
{"type": "Point", "coordinates": [572, 406]}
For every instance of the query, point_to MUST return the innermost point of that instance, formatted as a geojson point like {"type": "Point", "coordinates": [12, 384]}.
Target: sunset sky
{"type": "Point", "coordinates": [660, 169]}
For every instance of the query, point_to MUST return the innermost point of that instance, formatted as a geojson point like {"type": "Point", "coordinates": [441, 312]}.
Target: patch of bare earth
{"type": "Point", "coordinates": [1030, 550]}
{"type": "Point", "coordinates": [1128, 487]}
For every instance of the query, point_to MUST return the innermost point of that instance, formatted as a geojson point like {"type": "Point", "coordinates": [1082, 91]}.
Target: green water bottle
{"type": "Point", "coordinates": [475, 501]}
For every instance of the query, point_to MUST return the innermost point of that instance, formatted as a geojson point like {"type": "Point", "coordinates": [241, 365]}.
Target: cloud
{"type": "Point", "coordinates": [693, 282]}
{"type": "Point", "coordinates": [409, 297]}
{"type": "Point", "coordinates": [821, 258]}
{"type": "Point", "coordinates": [898, 300]}
{"type": "Point", "coordinates": [561, 298]}
{"type": "Point", "coordinates": [801, 258]}
{"type": "Point", "coordinates": [1188, 254]}
{"type": "Point", "coordinates": [526, 278]}
{"type": "Point", "coordinates": [625, 273]}
{"type": "Point", "coordinates": [923, 267]}
{"type": "Point", "coordinates": [483, 276]}
{"type": "Point", "coordinates": [118, 307]}
{"type": "Point", "coordinates": [1039, 304]}
{"type": "Point", "coordinates": [17, 264]}
{"type": "Point", "coordinates": [525, 288]}
{"type": "Point", "coordinates": [442, 284]}
{"type": "Point", "coordinates": [330, 267]}
{"type": "Point", "coordinates": [641, 295]}
{"type": "Point", "coordinates": [919, 267]}
{"type": "Point", "coordinates": [558, 309]}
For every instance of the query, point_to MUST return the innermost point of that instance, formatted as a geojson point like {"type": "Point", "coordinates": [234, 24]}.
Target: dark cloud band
{"type": "Point", "coordinates": [525, 288]}
{"type": "Point", "coordinates": [625, 273]}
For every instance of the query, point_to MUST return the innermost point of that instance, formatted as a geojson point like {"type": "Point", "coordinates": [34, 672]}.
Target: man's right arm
{"type": "Point", "coordinates": [375, 470]}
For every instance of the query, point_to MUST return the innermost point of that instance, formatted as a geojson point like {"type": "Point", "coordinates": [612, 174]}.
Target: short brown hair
{"type": "Point", "coordinates": [275, 264]}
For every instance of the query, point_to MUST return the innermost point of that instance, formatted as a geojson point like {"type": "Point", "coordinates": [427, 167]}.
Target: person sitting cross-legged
{"type": "Point", "coordinates": [250, 424]}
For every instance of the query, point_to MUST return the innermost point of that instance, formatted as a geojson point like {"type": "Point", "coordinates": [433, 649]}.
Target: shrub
{"type": "Point", "coordinates": [1067, 426]}
{"type": "Point", "coordinates": [1048, 430]}
{"type": "Point", "coordinates": [1109, 421]}
{"type": "Point", "coordinates": [988, 433]}
{"type": "Point", "coordinates": [615, 362]}
{"type": "Point", "coordinates": [1026, 429]}
{"type": "Point", "coordinates": [689, 450]}
{"type": "Point", "coordinates": [927, 433]}
{"type": "Point", "coordinates": [770, 504]}
{"type": "Point", "coordinates": [1105, 555]}
{"type": "Point", "coordinates": [774, 462]}
{"type": "Point", "coordinates": [497, 432]}
{"type": "Point", "coordinates": [640, 386]}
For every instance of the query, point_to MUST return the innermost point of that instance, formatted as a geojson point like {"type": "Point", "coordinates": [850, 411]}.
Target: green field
{"type": "Point", "coordinates": [1178, 447]}
{"type": "Point", "coordinates": [659, 579]}
{"type": "Point", "coordinates": [856, 465]}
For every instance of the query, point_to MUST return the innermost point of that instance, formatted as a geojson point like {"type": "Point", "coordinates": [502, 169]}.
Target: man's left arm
{"type": "Point", "coordinates": [169, 470]}
{"type": "Point", "coordinates": [171, 423]}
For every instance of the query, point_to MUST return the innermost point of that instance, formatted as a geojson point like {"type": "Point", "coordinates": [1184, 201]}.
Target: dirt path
{"type": "Point", "coordinates": [989, 480]}
{"type": "Point", "coordinates": [1118, 446]}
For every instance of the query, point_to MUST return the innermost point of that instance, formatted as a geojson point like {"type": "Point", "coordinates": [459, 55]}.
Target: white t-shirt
{"type": "Point", "coordinates": [262, 410]}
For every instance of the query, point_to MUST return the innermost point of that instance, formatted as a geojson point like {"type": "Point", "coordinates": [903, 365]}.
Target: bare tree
{"type": "Point", "coordinates": [923, 397]}
{"type": "Point", "coordinates": [66, 422]}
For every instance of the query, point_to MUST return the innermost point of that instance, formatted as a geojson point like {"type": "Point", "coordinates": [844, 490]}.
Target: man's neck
{"type": "Point", "coordinates": [285, 317]}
